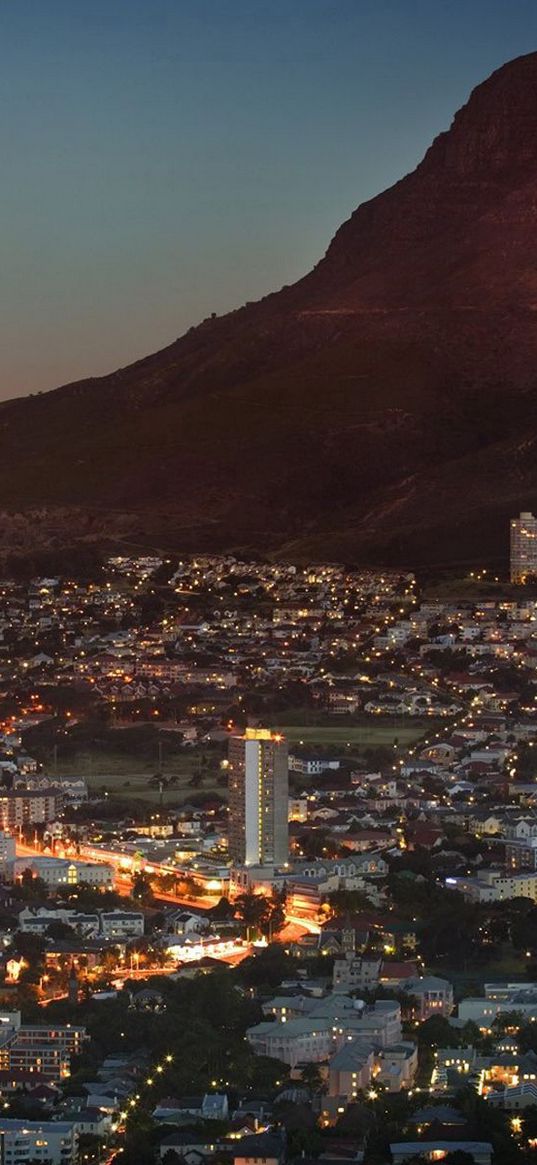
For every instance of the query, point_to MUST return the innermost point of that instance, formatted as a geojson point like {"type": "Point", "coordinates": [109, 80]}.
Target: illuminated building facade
{"type": "Point", "coordinates": [523, 547]}
{"type": "Point", "coordinates": [258, 798]}
{"type": "Point", "coordinates": [38, 1049]}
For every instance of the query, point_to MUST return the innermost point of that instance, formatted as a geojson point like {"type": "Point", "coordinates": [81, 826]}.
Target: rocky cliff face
{"type": "Point", "coordinates": [382, 407]}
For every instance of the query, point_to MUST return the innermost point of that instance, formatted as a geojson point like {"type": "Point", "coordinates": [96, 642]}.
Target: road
{"type": "Point", "coordinates": [305, 925]}
{"type": "Point", "coordinates": [123, 886]}
{"type": "Point", "coordinates": [295, 927]}
{"type": "Point", "coordinates": [123, 882]}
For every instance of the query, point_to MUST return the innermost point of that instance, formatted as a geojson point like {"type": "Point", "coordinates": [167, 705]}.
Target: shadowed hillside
{"type": "Point", "coordinates": [384, 407]}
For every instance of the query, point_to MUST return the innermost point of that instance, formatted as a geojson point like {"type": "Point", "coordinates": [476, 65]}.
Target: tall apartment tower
{"type": "Point", "coordinates": [523, 547]}
{"type": "Point", "coordinates": [258, 799]}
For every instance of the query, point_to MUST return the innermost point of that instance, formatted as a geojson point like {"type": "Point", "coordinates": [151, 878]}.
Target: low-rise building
{"type": "Point", "coordinates": [356, 973]}
{"type": "Point", "coordinates": [519, 1096]}
{"type": "Point", "coordinates": [482, 1010]}
{"type": "Point", "coordinates": [496, 885]}
{"type": "Point", "coordinates": [397, 1066]}
{"type": "Point", "coordinates": [111, 924]}
{"type": "Point", "coordinates": [45, 1050]}
{"type": "Point", "coordinates": [326, 1028]}
{"type": "Point", "coordinates": [479, 1151]}
{"type": "Point", "coordinates": [260, 1149]}
{"type": "Point", "coordinates": [350, 1070]}
{"type": "Point", "coordinates": [434, 995]}
{"type": "Point", "coordinates": [122, 924]}
{"type": "Point", "coordinates": [53, 1142]}
{"type": "Point", "coordinates": [65, 872]}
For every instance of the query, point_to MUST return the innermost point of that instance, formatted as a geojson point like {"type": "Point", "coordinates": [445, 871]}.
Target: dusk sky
{"type": "Point", "coordinates": [162, 159]}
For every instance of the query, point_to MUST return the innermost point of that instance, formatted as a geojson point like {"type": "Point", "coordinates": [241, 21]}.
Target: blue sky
{"type": "Point", "coordinates": [162, 159]}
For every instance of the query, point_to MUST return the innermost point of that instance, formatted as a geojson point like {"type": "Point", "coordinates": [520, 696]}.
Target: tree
{"type": "Point", "coordinates": [252, 910]}
{"type": "Point", "coordinates": [437, 1032]}
{"type": "Point", "coordinates": [89, 1147]}
{"type": "Point", "coordinates": [60, 930]}
{"type": "Point", "coordinates": [507, 1021]}
{"type": "Point", "coordinates": [530, 1121]}
{"type": "Point", "coordinates": [317, 843]}
{"type": "Point", "coordinates": [300, 1124]}
{"type": "Point", "coordinates": [30, 887]}
{"type": "Point", "coordinates": [470, 1034]}
{"type": "Point", "coordinates": [268, 967]}
{"type": "Point", "coordinates": [453, 925]}
{"type": "Point", "coordinates": [141, 888]}
{"type": "Point", "coordinates": [223, 911]}
{"type": "Point", "coordinates": [352, 901]}
{"type": "Point", "coordinates": [490, 1124]}
{"type": "Point", "coordinates": [356, 1121]}
{"type": "Point", "coordinates": [527, 1037]}
{"type": "Point", "coordinates": [273, 920]}
{"type": "Point", "coordinates": [262, 914]}
{"type": "Point", "coordinates": [312, 1079]}
{"type": "Point", "coordinates": [138, 1148]}
{"type": "Point", "coordinates": [31, 948]}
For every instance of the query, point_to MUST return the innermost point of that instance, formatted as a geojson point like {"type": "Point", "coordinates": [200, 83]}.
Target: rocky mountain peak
{"type": "Point", "coordinates": [495, 132]}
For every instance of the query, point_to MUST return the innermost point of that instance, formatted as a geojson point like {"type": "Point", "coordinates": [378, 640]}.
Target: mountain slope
{"type": "Point", "coordinates": [383, 407]}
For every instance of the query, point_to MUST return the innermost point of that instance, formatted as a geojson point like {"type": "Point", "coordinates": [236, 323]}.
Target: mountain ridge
{"type": "Point", "coordinates": [382, 408]}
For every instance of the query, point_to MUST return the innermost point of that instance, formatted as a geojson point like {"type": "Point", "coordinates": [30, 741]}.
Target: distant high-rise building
{"type": "Point", "coordinates": [258, 798]}
{"type": "Point", "coordinates": [523, 547]}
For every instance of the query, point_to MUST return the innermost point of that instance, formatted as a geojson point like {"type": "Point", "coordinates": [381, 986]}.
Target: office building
{"type": "Point", "coordinates": [523, 547]}
{"type": "Point", "coordinates": [258, 798]}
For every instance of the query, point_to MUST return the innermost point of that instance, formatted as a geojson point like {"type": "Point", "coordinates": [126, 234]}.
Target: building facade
{"type": "Point", "coordinates": [523, 547]}
{"type": "Point", "coordinates": [29, 807]}
{"type": "Point", "coordinates": [52, 1142]}
{"type": "Point", "coordinates": [7, 851]}
{"type": "Point", "coordinates": [64, 872]}
{"type": "Point", "coordinates": [258, 798]}
{"type": "Point", "coordinates": [38, 1049]}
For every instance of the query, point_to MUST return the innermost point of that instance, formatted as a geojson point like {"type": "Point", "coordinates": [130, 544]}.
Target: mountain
{"type": "Point", "coordinates": [383, 408]}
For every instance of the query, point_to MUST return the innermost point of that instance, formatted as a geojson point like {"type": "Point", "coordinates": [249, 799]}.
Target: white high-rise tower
{"type": "Point", "coordinates": [258, 798]}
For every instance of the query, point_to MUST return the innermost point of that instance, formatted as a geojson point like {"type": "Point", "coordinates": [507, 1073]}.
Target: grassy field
{"type": "Point", "coordinates": [127, 773]}
{"type": "Point", "coordinates": [493, 586]}
{"type": "Point", "coordinates": [509, 965]}
{"type": "Point", "coordinates": [370, 734]}
{"type": "Point", "coordinates": [129, 776]}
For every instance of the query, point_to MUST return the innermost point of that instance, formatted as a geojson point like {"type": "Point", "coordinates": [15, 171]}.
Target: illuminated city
{"type": "Point", "coordinates": [268, 583]}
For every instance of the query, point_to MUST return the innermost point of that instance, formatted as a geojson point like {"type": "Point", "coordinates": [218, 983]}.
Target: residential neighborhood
{"type": "Point", "coordinates": [309, 792]}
